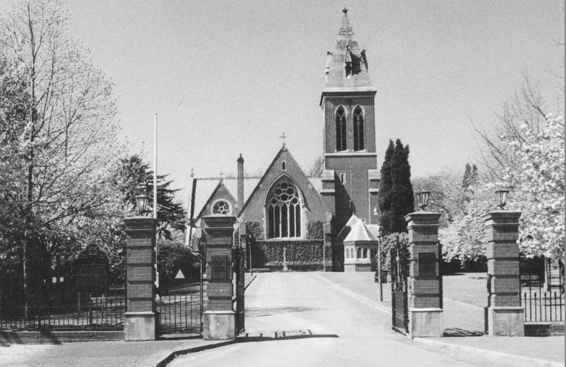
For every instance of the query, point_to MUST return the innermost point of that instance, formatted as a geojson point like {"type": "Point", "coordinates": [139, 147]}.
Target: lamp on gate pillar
{"type": "Point", "coordinates": [502, 194]}
{"type": "Point", "coordinates": [423, 198]}
{"type": "Point", "coordinates": [142, 200]}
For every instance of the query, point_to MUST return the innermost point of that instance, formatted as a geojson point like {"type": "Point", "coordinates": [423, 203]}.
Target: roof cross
{"type": "Point", "coordinates": [283, 137]}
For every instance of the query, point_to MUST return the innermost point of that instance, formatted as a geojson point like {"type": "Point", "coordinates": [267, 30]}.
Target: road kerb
{"type": "Point", "coordinates": [485, 357]}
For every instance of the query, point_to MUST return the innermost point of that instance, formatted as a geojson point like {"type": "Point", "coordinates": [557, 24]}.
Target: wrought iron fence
{"type": "Point", "coordinates": [541, 304]}
{"type": "Point", "coordinates": [93, 313]}
{"type": "Point", "coordinates": [179, 313]}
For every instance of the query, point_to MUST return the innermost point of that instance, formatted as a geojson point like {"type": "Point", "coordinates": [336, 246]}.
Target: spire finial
{"type": "Point", "coordinates": [345, 28]}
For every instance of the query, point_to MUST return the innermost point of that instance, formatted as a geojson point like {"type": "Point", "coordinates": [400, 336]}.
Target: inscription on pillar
{"type": "Point", "coordinates": [220, 269]}
{"type": "Point", "coordinates": [427, 264]}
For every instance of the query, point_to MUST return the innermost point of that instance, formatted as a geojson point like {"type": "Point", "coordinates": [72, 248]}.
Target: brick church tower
{"type": "Point", "coordinates": [350, 178]}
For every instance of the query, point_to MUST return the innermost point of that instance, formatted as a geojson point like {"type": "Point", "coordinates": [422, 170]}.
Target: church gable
{"type": "Point", "coordinates": [287, 186]}
{"type": "Point", "coordinates": [220, 202]}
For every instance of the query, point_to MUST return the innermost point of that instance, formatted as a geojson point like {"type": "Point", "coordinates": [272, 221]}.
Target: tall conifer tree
{"type": "Point", "coordinates": [395, 190]}
{"type": "Point", "coordinates": [402, 200]}
{"type": "Point", "coordinates": [385, 186]}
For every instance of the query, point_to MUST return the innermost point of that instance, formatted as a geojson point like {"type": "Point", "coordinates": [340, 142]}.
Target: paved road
{"type": "Point", "coordinates": [352, 331]}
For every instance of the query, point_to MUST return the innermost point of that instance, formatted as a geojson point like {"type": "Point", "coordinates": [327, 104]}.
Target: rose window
{"type": "Point", "coordinates": [221, 207]}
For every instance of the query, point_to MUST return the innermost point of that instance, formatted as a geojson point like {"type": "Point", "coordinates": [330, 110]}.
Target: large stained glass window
{"type": "Point", "coordinates": [283, 209]}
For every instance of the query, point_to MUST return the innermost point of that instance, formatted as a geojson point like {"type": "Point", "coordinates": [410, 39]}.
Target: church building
{"type": "Point", "coordinates": [293, 221]}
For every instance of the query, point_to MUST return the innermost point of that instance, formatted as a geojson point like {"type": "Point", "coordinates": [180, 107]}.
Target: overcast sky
{"type": "Point", "coordinates": [228, 77]}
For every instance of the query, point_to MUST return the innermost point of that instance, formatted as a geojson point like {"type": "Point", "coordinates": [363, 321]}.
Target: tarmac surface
{"type": "Point", "coordinates": [314, 319]}
{"type": "Point", "coordinates": [318, 323]}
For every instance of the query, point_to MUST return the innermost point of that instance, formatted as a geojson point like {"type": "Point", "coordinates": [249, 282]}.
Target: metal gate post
{"type": "Point", "coordinates": [425, 286]}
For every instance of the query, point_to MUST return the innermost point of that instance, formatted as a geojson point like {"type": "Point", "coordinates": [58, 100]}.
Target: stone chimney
{"type": "Point", "coordinates": [240, 182]}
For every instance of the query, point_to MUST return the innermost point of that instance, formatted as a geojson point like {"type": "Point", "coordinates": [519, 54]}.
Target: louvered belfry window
{"type": "Point", "coordinates": [340, 129]}
{"type": "Point", "coordinates": [283, 211]}
{"type": "Point", "coordinates": [358, 128]}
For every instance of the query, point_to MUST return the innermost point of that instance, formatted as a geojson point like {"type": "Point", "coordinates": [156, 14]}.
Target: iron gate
{"type": "Point", "coordinates": [180, 312]}
{"type": "Point", "coordinates": [399, 263]}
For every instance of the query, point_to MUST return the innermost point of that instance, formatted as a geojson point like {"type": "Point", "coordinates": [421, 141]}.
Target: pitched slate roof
{"type": "Point", "coordinates": [316, 182]}
{"type": "Point", "coordinates": [218, 187]}
{"type": "Point", "coordinates": [206, 186]}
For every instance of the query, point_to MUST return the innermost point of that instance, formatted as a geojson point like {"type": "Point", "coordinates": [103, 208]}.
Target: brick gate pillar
{"type": "Point", "coordinates": [504, 314]}
{"type": "Point", "coordinates": [140, 279]}
{"type": "Point", "coordinates": [219, 317]}
{"type": "Point", "coordinates": [425, 281]}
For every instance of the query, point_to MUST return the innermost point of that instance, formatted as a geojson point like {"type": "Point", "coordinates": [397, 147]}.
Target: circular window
{"type": "Point", "coordinates": [221, 207]}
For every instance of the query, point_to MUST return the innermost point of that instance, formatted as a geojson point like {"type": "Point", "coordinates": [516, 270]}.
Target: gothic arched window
{"type": "Point", "coordinates": [340, 129]}
{"type": "Point", "coordinates": [221, 207]}
{"type": "Point", "coordinates": [283, 209]}
{"type": "Point", "coordinates": [358, 128]}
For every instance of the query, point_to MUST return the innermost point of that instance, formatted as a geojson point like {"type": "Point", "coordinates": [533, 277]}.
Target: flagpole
{"type": "Point", "coordinates": [155, 166]}
{"type": "Point", "coordinates": [155, 196]}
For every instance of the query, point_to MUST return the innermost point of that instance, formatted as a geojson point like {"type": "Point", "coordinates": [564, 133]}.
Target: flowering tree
{"type": "Point", "coordinates": [465, 235]}
{"type": "Point", "coordinates": [59, 142]}
{"type": "Point", "coordinates": [538, 185]}
{"type": "Point", "coordinates": [528, 155]}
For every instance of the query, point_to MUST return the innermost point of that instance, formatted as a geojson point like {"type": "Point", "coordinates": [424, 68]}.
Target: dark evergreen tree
{"type": "Point", "coordinates": [170, 213]}
{"type": "Point", "coordinates": [384, 194]}
{"type": "Point", "coordinates": [402, 199]}
{"type": "Point", "coordinates": [395, 196]}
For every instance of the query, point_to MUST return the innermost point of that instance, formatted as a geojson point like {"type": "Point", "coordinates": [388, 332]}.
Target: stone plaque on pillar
{"type": "Point", "coordinates": [504, 314]}
{"type": "Point", "coordinates": [425, 280]}
{"type": "Point", "coordinates": [220, 269]}
{"type": "Point", "coordinates": [219, 317]}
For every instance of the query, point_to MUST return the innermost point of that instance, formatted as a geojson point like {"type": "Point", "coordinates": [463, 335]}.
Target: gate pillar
{"type": "Point", "coordinates": [504, 314]}
{"type": "Point", "coordinates": [140, 279]}
{"type": "Point", "coordinates": [425, 281]}
{"type": "Point", "coordinates": [219, 317]}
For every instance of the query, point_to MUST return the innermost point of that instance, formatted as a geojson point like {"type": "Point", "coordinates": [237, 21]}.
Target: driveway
{"type": "Point", "coordinates": [318, 323]}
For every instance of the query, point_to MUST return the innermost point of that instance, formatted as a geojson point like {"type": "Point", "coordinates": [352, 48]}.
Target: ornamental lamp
{"type": "Point", "coordinates": [423, 198]}
{"type": "Point", "coordinates": [142, 200]}
{"type": "Point", "coordinates": [502, 194]}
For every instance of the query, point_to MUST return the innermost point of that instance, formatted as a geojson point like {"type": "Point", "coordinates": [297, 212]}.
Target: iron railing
{"type": "Point", "coordinates": [541, 304]}
{"type": "Point", "coordinates": [95, 313]}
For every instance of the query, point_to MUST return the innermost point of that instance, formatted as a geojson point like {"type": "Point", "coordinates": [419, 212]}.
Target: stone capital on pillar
{"type": "Point", "coordinates": [217, 228]}
{"type": "Point", "coordinates": [425, 280]}
{"type": "Point", "coordinates": [140, 321]}
{"type": "Point", "coordinates": [504, 314]}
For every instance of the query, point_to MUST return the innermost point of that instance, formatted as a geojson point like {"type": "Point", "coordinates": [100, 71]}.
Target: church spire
{"type": "Point", "coordinates": [346, 65]}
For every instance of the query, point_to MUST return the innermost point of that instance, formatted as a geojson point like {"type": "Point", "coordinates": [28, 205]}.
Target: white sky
{"type": "Point", "coordinates": [228, 77]}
